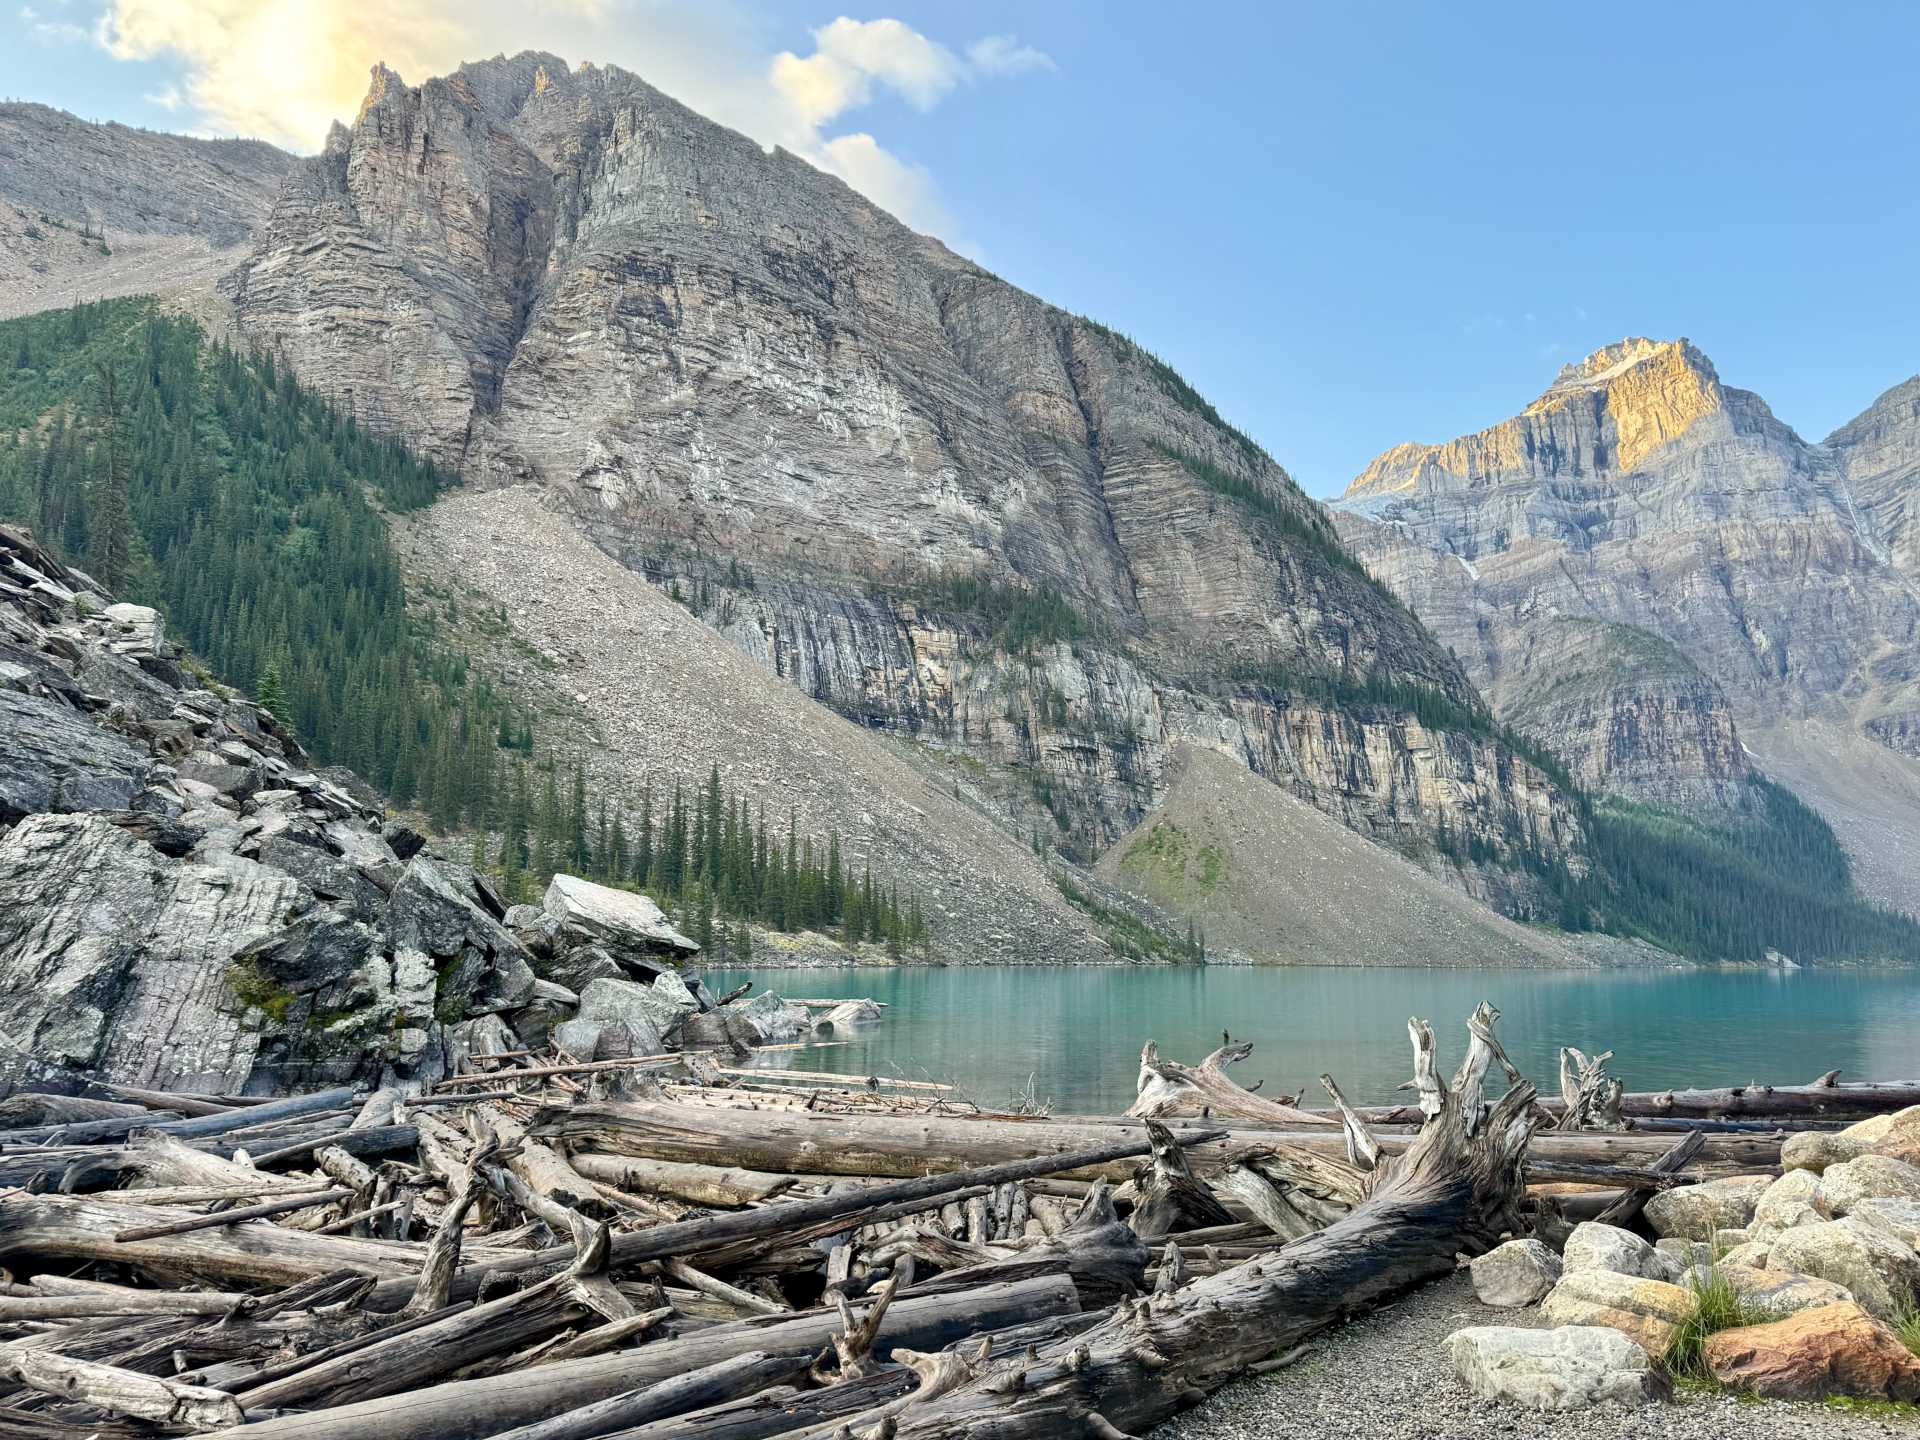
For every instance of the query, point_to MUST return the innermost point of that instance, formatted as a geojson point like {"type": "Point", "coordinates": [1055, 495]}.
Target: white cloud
{"type": "Point", "coordinates": [851, 56]}
{"type": "Point", "coordinates": [284, 70]}
{"type": "Point", "coordinates": [1005, 55]}
{"type": "Point", "coordinates": [50, 32]}
{"type": "Point", "coordinates": [167, 99]}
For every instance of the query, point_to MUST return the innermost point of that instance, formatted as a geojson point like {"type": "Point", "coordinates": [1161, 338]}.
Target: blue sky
{"type": "Point", "coordinates": [1348, 225]}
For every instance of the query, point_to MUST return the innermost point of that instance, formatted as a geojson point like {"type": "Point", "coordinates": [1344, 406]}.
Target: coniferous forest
{"type": "Point", "coordinates": [206, 483]}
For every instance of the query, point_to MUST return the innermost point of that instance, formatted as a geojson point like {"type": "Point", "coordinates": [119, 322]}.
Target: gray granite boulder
{"type": "Point", "coordinates": [1571, 1368]}
{"type": "Point", "coordinates": [1593, 1246]}
{"type": "Point", "coordinates": [1694, 1212]}
{"type": "Point", "coordinates": [627, 924]}
{"type": "Point", "coordinates": [1870, 1177]}
{"type": "Point", "coordinates": [1518, 1273]}
{"type": "Point", "coordinates": [1882, 1271]}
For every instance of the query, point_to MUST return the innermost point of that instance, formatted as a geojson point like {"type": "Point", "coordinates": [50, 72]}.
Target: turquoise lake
{"type": "Point", "coordinates": [1077, 1031]}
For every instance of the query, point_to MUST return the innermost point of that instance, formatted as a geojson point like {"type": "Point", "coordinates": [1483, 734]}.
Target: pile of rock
{"type": "Point", "coordinates": [187, 903]}
{"type": "Point", "coordinates": [1821, 1259]}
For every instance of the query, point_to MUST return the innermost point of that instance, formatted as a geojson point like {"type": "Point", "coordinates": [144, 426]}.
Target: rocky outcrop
{"type": "Point", "coordinates": [185, 904]}
{"type": "Point", "coordinates": [1645, 554]}
{"type": "Point", "coordinates": [117, 178]}
{"type": "Point", "coordinates": [184, 901]}
{"type": "Point", "coordinates": [923, 497]}
{"type": "Point", "coordinates": [1879, 454]}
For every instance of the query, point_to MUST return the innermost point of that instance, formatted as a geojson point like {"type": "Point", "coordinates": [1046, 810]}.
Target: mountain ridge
{"type": "Point", "coordinates": [1640, 490]}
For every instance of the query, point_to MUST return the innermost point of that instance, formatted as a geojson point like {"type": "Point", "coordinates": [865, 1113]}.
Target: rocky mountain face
{"type": "Point", "coordinates": [89, 211]}
{"type": "Point", "coordinates": [748, 384]}
{"type": "Point", "coordinates": [1879, 455]}
{"type": "Point", "coordinates": [1646, 555]}
{"type": "Point", "coordinates": [186, 904]}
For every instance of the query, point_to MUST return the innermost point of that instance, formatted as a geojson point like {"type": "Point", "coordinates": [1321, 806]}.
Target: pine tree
{"type": "Point", "coordinates": [110, 538]}
{"type": "Point", "coordinates": [578, 857]}
{"type": "Point", "coordinates": [273, 693]}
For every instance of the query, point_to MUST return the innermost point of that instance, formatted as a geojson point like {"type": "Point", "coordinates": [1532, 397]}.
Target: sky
{"type": "Point", "coordinates": [1348, 224]}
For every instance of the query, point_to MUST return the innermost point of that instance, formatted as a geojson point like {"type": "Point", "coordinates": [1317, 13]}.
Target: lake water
{"type": "Point", "coordinates": [1077, 1031]}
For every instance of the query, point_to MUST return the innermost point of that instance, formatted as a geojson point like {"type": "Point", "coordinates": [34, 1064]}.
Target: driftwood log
{"type": "Point", "coordinates": [1166, 1088]}
{"type": "Point", "coordinates": [804, 1142]}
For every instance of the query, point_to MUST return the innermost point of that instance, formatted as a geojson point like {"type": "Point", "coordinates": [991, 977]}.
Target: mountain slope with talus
{"type": "Point", "coordinates": [926, 499]}
{"type": "Point", "coordinates": [91, 211]}
{"type": "Point", "coordinates": [1646, 566]}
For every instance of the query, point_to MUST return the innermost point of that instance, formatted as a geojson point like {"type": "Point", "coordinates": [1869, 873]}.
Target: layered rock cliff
{"type": "Point", "coordinates": [926, 498]}
{"type": "Point", "coordinates": [1757, 574]}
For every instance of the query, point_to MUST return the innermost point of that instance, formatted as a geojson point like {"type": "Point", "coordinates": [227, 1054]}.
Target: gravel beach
{"type": "Point", "coordinates": [1385, 1376]}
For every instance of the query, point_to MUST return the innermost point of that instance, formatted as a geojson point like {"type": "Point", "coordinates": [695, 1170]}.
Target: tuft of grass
{"type": "Point", "coordinates": [1716, 1306]}
{"type": "Point", "coordinates": [1906, 1324]}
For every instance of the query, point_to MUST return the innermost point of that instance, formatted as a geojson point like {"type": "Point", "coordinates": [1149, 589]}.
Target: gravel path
{"type": "Point", "coordinates": [1384, 1376]}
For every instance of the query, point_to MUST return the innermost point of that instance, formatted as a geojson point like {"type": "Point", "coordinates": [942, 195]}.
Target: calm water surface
{"type": "Point", "coordinates": [1078, 1031]}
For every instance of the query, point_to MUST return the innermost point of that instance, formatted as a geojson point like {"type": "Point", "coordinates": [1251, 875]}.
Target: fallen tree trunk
{"type": "Point", "coordinates": [117, 1391]}
{"type": "Point", "coordinates": [473, 1409]}
{"type": "Point", "coordinates": [1828, 1099]}
{"type": "Point", "coordinates": [702, 1184]}
{"type": "Point", "coordinates": [807, 1143]}
{"type": "Point", "coordinates": [712, 1385]}
{"type": "Point", "coordinates": [38, 1228]}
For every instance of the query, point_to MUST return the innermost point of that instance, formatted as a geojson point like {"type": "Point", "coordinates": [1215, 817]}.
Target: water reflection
{"type": "Point", "coordinates": [1078, 1031]}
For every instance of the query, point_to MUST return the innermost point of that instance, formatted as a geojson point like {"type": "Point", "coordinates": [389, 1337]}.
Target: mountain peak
{"type": "Point", "coordinates": [1612, 410]}
{"type": "Point", "coordinates": [1610, 362]}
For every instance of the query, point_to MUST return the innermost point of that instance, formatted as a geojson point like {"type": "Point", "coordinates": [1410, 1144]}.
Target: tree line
{"type": "Point", "coordinates": [716, 861]}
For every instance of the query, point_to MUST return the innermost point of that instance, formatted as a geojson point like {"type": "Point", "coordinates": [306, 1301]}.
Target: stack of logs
{"type": "Point", "coordinates": [560, 1252]}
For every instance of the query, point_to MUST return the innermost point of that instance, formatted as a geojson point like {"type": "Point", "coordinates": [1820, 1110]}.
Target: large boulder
{"type": "Point", "coordinates": [1648, 1312]}
{"type": "Point", "coordinates": [851, 1013]}
{"type": "Point", "coordinates": [1870, 1177]}
{"type": "Point", "coordinates": [442, 910]}
{"type": "Point", "coordinates": [1694, 1212]}
{"type": "Point", "coordinates": [627, 924]}
{"type": "Point", "coordinates": [739, 1027]}
{"type": "Point", "coordinates": [1593, 1246]}
{"type": "Point", "coordinates": [620, 1018]}
{"type": "Point", "coordinates": [1897, 1135]}
{"type": "Point", "coordinates": [1786, 1203]}
{"type": "Point", "coordinates": [1882, 1272]}
{"type": "Point", "coordinates": [1572, 1368]}
{"type": "Point", "coordinates": [1518, 1273]}
{"type": "Point", "coordinates": [1899, 1218]}
{"type": "Point", "coordinates": [136, 629]}
{"type": "Point", "coordinates": [1781, 1292]}
{"type": "Point", "coordinates": [1836, 1349]}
